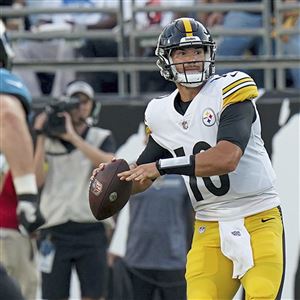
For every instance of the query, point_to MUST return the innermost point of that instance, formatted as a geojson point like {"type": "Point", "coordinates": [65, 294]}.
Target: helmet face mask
{"type": "Point", "coordinates": [181, 34]}
{"type": "Point", "coordinates": [195, 77]}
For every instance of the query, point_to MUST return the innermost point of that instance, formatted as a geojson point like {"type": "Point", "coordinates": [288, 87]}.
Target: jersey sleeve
{"type": "Point", "coordinates": [238, 87]}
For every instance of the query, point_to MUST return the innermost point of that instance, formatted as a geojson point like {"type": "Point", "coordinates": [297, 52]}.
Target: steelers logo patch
{"type": "Point", "coordinates": [208, 117]}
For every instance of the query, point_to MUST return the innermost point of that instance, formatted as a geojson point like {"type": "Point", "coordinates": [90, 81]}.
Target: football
{"type": "Point", "coordinates": [107, 193]}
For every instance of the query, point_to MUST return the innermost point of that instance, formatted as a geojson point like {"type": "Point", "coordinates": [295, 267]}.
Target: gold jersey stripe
{"type": "Point", "coordinates": [235, 83]}
{"type": "Point", "coordinates": [235, 89]}
{"type": "Point", "coordinates": [242, 94]}
{"type": "Point", "coordinates": [187, 26]}
{"type": "Point", "coordinates": [147, 130]}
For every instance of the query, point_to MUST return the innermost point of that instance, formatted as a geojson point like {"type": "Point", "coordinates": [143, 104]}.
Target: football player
{"type": "Point", "coordinates": [208, 131]}
{"type": "Point", "coordinates": [15, 140]}
{"type": "Point", "coordinates": [17, 147]}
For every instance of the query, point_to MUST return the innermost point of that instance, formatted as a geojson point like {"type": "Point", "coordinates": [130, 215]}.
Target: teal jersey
{"type": "Point", "coordinates": [12, 85]}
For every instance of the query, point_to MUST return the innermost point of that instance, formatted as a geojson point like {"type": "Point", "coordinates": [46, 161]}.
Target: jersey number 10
{"type": "Point", "coordinates": [217, 191]}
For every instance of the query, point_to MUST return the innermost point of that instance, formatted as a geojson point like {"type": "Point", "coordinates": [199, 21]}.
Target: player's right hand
{"type": "Point", "coordinates": [29, 215]}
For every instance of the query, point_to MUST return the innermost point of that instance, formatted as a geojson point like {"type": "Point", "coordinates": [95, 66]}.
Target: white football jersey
{"type": "Point", "coordinates": [247, 190]}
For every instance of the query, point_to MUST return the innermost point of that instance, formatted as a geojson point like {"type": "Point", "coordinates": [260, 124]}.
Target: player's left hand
{"type": "Point", "coordinates": [140, 173]}
{"type": "Point", "coordinates": [100, 168]}
{"type": "Point", "coordinates": [29, 215]}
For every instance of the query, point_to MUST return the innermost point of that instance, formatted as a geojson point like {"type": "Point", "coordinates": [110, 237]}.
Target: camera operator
{"type": "Point", "coordinates": [71, 236]}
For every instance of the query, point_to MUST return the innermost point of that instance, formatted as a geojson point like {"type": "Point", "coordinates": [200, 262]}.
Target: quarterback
{"type": "Point", "coordinates": [208, 131]}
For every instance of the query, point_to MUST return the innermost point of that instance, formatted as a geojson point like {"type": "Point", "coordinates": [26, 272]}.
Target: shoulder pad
{"type": "Point", "coordinates": [12, 85]}
{"type": "Point", "coordinates": [236, 87]}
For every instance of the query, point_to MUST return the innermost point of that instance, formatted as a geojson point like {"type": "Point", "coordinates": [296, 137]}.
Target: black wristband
{"type": "Point", "coordinates": [38, 132]}
{"type": "Point", "coordinates": [180, 165]}
{"type": "Point", "coordinates": [28, 197]}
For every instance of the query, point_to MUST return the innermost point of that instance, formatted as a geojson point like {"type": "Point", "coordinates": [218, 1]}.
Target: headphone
{"type": "Point", "coordinates": [79, 86]}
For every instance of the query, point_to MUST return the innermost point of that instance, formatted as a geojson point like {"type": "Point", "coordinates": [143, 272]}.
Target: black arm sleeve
{"type": "Point", "coordinates": [152, 153]}
{"type": "Point", "coordinates": [109, 144]}
{"type": "Point", "coordinates": [235, 123]}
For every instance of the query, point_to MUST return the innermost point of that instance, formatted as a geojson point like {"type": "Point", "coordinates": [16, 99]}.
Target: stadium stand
{"type": "Point", "coordinates": [130, 64]}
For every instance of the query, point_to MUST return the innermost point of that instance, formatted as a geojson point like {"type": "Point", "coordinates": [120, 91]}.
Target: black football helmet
{"type": "Point", "coordinates": [6, 52]}
{"type": "Point", "coordinates": [181, 33]}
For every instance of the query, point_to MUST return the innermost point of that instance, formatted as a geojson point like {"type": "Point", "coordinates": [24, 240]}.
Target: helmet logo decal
{"type": "Point", "coordinates": [187, 26]}
{"type": "Point", "coordinates": [190, 39]}
{"type": "Point", "coordinates": [208, 117]}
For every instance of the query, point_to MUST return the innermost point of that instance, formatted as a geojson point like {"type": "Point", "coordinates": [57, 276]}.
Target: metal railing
{"type": "Point", "coordinates": [115, 34]}
{"type": "Point", "coordinates": [264, 32]}
{"type": "Point", "coordinates": [280, 9]}
{"type": "Point", "coordinates": [133, 64]}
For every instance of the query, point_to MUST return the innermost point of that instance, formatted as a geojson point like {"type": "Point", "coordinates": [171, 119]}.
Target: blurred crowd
{"type": "Point", "coordinates": [56, 49]}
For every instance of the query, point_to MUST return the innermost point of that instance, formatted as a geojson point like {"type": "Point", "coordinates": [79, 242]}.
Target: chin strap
{"type": "Point", "coordinates": [191, 85]}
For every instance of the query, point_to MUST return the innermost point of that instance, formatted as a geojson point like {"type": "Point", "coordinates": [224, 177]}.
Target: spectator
{"type": "Point", "coordinates": [291, 43]}
{"type": "Point", "coordinates": [159, 237]}
{"type": "Point", "coordinates": [102, 82]}
{"type": "Point", "coordinates": [71, 236]}
{"type": "Point", "coordinates": [152, 21]}
{"type": "Point", "coordinates": [15, 23]}
{"type": "Point", "coordinates": [238, 45]}
{"type": "Point", "coordinates": [61, 49]}
{"type": "Point", "coordinates": [155, 245]}
{"type": "Point", "coordinates": [17, 147]}
{"type": "Point", "coordinates": [41, 83]}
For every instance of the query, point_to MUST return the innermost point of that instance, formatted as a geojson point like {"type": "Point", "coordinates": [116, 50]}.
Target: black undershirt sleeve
{"type": "Point", "coordinates": [152, 153]}
{"type": "Point", "coordinates": [235, 123]}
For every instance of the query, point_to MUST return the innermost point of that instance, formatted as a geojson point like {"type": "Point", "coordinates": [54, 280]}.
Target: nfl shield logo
{"type": "Point", "coordinates": [185, 125]}
{"type": "Point", "coordinates": [96, 187]}
{"type": "Point", "coordinates": [202, 229]}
